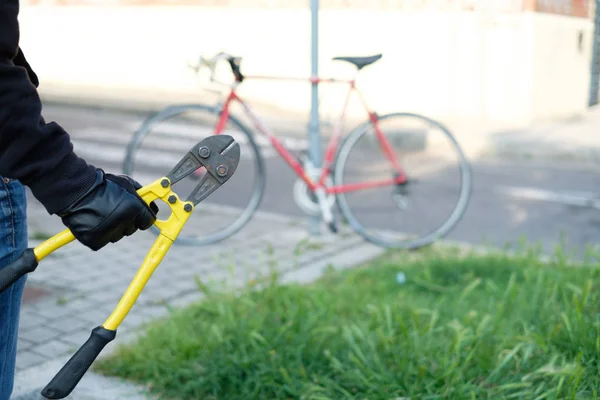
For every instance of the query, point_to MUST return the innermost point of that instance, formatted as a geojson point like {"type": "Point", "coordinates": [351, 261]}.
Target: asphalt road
{"type": "Point", "coordinates": [510, 200]}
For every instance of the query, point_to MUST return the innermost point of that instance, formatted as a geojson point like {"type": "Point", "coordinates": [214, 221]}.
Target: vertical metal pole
{"type": "Point", "coordinates": [595, 81]}
{"type": "Point", "coordinates": [314, 129]}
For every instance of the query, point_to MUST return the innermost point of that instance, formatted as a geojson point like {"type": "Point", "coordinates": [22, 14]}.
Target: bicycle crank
{"type": "Point", "coordinates": [307, 201]}
{"type": "Point", "coordinates": [317, 203]}
{"type": "Point", "coordinates": [326, 209]}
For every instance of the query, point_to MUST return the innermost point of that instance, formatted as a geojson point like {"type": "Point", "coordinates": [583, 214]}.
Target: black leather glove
{"type": "Point", "coordinates": [110, 210]}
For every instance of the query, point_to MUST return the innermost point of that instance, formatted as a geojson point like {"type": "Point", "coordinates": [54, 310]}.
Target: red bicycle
{"type": "Point", "coordinates": [396, 139]}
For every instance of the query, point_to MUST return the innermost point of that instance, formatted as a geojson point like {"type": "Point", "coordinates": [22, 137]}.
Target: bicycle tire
{"type": "Point", "coordinates": [257, 192]}
{"type": "Point", "coordinates": [430, 238]}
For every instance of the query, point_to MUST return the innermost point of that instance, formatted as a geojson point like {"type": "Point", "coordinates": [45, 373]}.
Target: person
{"type": "Point", "coordinates": [99, 208]}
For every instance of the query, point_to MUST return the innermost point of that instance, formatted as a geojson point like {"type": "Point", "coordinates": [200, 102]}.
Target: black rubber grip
{"type": "Point", "coordinates": [21, 266]}
{"type": "Point", "coordinates": [69, 376]}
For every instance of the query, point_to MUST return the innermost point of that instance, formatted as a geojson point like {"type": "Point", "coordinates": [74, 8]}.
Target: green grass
{"type": "Point", "coordinates": [461, 327]}
{"type": "Point", "coordinates": [41, 236]}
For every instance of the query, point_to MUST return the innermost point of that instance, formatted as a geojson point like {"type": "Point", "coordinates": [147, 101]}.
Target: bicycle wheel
{"type": "Point", "coordinates": [161, 141]}
{"type": "Point", "coordinates": [361, 160]}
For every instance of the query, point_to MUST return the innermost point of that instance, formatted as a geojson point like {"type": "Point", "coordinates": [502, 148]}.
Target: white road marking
{"type": "Point", "coordinates": [575, 198]}
{"type": "Point", "coordinates": [172, 139]}
{"type": "Point", "coordinates": [165, 146]}
{"type": "Point", "coordinates": [110, 145]}
{"type": "Point", "coordinates": [146, 157]}
{"type": "Point", "coordinates": [113, 154]}
{"type": "Point", "coordinates": [198, 131]}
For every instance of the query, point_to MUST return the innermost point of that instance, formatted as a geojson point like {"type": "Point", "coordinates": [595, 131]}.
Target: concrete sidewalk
{"type": "Point", "coordinates": [575, 139]}
{"type": "Point", "coordinates": [74, 290]}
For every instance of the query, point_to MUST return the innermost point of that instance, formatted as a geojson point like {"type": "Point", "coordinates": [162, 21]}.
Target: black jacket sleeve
{"type": "Point", "coordinates": [39, 154]}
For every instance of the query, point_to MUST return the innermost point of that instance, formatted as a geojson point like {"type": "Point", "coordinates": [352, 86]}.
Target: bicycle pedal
{"type": "Point", "coordinates": [333, 224]}
{"type": "Point", "coordinates": [333, 227]}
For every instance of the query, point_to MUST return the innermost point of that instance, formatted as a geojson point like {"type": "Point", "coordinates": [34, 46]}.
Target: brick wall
{"type": "Point", "coordinates": [576, 8]}
{"type": "Point", "coordinates": [283, 4]}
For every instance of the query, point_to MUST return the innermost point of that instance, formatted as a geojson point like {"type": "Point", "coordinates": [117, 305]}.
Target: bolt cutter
{"type": "Point", "coordinates": [220, 156]}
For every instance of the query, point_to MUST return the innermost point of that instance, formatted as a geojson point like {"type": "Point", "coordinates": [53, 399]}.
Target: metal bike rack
{"type": "Point", "coordinates": [314, 153]}
{"type": "Point", "coordinates": [595, 67]}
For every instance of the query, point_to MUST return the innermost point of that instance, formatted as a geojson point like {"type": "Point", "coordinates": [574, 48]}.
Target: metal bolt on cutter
{"type": "Point", "coordinates": [220, 156]}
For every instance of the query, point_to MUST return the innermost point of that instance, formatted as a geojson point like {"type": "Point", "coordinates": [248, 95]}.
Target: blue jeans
{"type": "Point", "coordinates": [13, 241]}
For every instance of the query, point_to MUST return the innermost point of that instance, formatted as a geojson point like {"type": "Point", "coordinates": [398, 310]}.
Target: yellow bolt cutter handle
{"type": "Point", "coordinates": [220, 156]}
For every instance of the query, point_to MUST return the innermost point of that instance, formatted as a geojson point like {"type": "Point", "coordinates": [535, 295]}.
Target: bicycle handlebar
{"type": "Point", "coordinates": [211, 63]}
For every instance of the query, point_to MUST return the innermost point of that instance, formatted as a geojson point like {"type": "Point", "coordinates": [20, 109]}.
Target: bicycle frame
{"type": "Point", "coordinates": [329, 158]}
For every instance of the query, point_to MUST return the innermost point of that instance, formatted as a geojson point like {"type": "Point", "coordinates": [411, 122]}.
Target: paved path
{"type": "Point", "coordinates": [570, 139]}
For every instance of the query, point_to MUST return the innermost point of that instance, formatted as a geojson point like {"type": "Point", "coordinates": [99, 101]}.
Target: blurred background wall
{"type": "Point", "coordinates": [505, 61]}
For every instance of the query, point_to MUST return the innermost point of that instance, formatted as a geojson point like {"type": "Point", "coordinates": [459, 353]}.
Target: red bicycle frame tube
{"type": "Point", "coordinates": [332, 145]}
